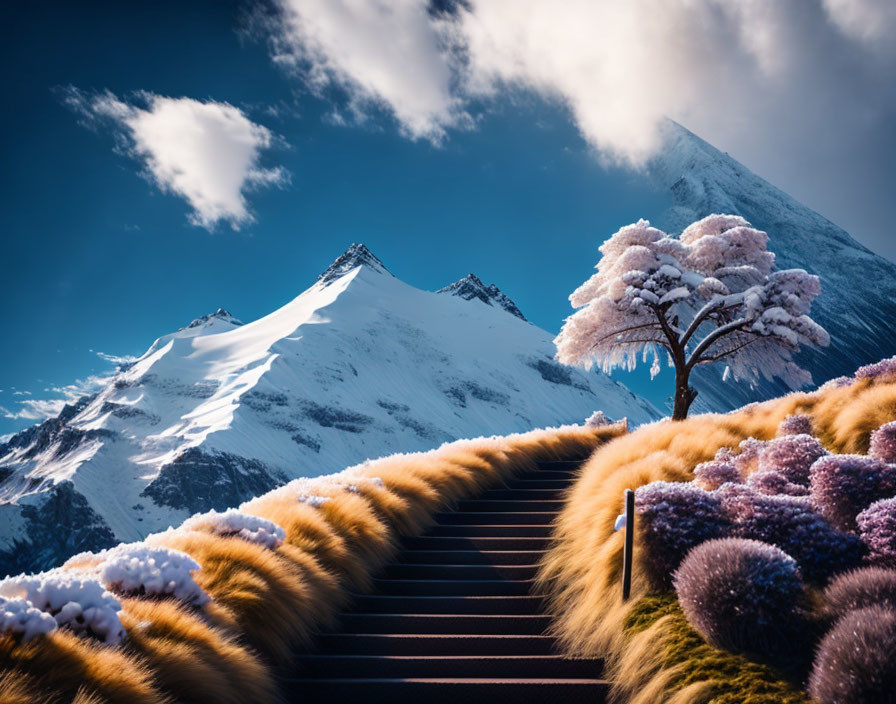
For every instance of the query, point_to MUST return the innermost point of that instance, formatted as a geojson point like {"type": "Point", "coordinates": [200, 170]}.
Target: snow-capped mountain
{"type": "Point", "coordinates": [858, 301]}
{"type": "Point", "coordinates": [470, 287]}
{"type": "Point", "coordinates": [359, 365]}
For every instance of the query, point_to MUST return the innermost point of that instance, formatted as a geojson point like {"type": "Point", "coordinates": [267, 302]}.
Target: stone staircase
{"type": "Point", "coordinates": [455, 618]}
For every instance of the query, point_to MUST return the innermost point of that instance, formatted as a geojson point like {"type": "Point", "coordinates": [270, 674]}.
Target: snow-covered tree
{"type": "Point", "coordinates": [710, 294]}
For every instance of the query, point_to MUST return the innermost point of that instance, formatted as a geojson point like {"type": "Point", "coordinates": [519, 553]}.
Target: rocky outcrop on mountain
{"type": "Point", "coordinates": [471, 288]}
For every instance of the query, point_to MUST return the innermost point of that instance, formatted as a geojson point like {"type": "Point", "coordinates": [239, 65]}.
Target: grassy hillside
{"type": "Point", "coordinates": [655, 655]}
{"type": "Point", "coordinates": [218, 632]}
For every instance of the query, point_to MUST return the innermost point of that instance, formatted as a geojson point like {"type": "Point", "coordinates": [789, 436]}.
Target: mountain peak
{"type": "Point", "coordinates": [471, 287]}
{"type": "Point", "coordinates": [219, 314]}
{"type": "Point", "coordinates": [355, 256]}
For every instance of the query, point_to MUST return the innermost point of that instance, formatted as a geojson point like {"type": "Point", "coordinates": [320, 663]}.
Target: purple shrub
{"type": "Point", "coordinates": [711, 475]}
{"type": "Point", "coordinates": [775, 483]}
{"type": "Point", "coordinates": [854, 662]}
{"type": "Point", "coordinates": [742, 595]}
{"type": "Point", "coordinates": [877, 526]}
{"type": "Point", "coordinates": [836, 383]}
{"type": "Point", "coordinates": [883, 443]}
{"type": "Point", "coordinates": [792, 456]}
{"type": "Point", "coordinates": [747, 458]}
{"type": "Point", "coordinates": [884, 369]}
{"type": "Point", "coordinates": [672, 518]}
{"type": "Point", "coordinates": [791, 523]}
{"type": "Point", "coordinates": [843, 485]}
{"type": "Point", "coordinates": [859, 589]}
{"type": "Point", "coordinates": [797, 424]}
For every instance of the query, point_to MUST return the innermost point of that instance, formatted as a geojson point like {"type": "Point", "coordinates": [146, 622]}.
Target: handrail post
{"type": "Point", "coordinates": [629, 543]}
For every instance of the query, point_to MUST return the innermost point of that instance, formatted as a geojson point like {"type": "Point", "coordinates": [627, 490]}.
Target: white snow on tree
{"type": "Point", "coordinates": [233, 522]}
{"type": "Point", "coordinates": [74, 599]}
{"type": "Point", "coordinates": [712, 293]}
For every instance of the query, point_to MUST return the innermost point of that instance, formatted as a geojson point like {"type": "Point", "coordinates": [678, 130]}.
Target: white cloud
{"type": "Point", "coordinates": [390, 53]}
{"type": "Point", "coordinates": [114, 358]}
{"type": "Point", "coordinates": [208, 153]}
{"type": "Point", "coordinates": [35, 409]}
{"type": "Point", "coordinates": [722, 67]}
{"type": "Point", "coordinates": [43, 408]}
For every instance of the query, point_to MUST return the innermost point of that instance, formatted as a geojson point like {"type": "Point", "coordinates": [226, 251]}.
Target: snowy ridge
{"type": "Point", "coordinates": [471, 288]}
{"type": "Point", "coordinates": [360, 365]}
{"type": "Point", "coordinates": [858, 288]}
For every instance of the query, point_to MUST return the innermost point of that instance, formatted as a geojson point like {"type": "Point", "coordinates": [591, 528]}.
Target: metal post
{"type": "Point", "coordinates": [629, 543]}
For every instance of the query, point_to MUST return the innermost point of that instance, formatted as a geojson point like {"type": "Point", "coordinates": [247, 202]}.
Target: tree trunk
{"type": "Point", "coordinates": [684, 393]}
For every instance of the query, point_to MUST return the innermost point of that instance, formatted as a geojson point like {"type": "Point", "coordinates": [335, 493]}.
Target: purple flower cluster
{"type": "Point", "coordinates": [877, 526]}
{"type": "Point", "coordinates": [742, 595]}
{"type": "Point", "coordinates": [797, 424]}
{"type": "Point", "coordinates": [791, 524]}
{"type": "Point", "coordinates": [883, 443]}
{"type": "Point", "coordinates": [775, 483]}
{"type": "Point", "coordinates": [859, 589]}
{"type": "Point", "coordinates": [792, 456]}
{"type": "Point", "coordinates": [884, 369]}
{"type": "Point", "coordinates": [673, 518]}
{"type": "Point", "coordinates": [843, 485]}
{"type": "Point", "coordinates": [747, 458]}
{"type": "Point", "coordinates": [855, 662]}
{"type": "Point", "coordinates": [711, 475]}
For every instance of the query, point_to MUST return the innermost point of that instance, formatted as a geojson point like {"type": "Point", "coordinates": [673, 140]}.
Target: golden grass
{"type": "Point", "coordinates": [266, 604]}
{"type": "Point", "coordinates": [581, 573]}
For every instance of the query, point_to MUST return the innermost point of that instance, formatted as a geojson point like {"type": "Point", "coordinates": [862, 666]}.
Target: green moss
{"type": "Point", "coordinates": [737, 679]}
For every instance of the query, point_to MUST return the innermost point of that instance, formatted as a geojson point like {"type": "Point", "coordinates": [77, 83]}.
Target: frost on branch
{"type": "Point", "coordinates": [75, 600]}
{"type": "Point", "coordinates": [233, 522]}
{"type": "Point", "coordinates": [709, 294]}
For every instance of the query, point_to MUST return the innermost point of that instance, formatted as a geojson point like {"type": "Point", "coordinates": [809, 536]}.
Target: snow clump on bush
{"type": "Point", "coordinates": [233, 522]}
{"type": "Point", "coordinates": [137, 569]}
{"type": "Point", "coordinates": [75, 600]}
{"type": "Point", "coordinates": [19, 616]}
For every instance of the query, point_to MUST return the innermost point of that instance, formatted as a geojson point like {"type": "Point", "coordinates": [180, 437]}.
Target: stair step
{"type": "Point", "coordinates": [491, 531]}
{"type": "Point", "coordinates": [454, 518]}
{"type": "Point", "coordinates": [526, 484]}
{"type": "Point", "coordinates": [508, 506]}
{"type": "Point", "coordinates": [472, 557]}
{"type": "Point", "coordinates": [446, 666]}
{"type": "Point", "coordinates": [564, 474]}
{"type": "Point", "coordinates": [448, 572]}
{"type": "Point", "coordinates": [522, 495]}
{"type": "Point", "coordinates": [518, 624]}
{"type": "Point", "coordinates": [449, 691]}
{"type": "Point", "coordinates": [433, 644]}
{"type": "Point", "coordinates": [377, 603]}
{"type": "Point", "coordinates": [453, 587]}
{"type": "Point", "coordinates": [503, 543]}
{"type": "Point", "coordinates": [561, 464]}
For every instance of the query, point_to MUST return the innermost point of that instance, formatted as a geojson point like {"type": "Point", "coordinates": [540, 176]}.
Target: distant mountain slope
{"type": "Point", "coordinates": [360, 365]}
{"type": "Point", "coordinates": [858, 300]}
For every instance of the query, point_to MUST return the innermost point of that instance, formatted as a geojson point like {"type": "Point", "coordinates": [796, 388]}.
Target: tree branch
{"type": "Point", "coordinates": [707, 341]}
{"type": "Point", "coordinates": [715, 358]}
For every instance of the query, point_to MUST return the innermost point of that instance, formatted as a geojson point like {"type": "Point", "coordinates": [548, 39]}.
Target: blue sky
{"type": "Point", "coordinates": [100, 258]}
